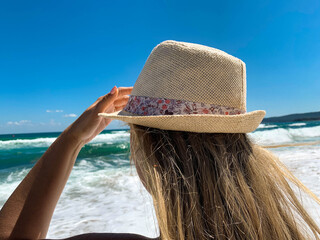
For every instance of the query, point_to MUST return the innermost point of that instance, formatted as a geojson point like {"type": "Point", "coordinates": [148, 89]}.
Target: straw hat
{"type": "Point", "coordinates": [190, 87]}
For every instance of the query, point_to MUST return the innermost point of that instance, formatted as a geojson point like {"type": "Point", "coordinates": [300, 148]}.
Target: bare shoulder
{"type": "Point", "coordinates": [108, 236]}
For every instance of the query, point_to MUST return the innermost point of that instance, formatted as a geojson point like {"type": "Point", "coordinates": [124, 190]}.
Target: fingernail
{"type": "Point", "coordinates": [113, 90]}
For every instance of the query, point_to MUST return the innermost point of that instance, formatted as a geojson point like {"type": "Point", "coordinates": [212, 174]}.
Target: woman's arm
{"type": "Point", "coordinates": [28, 211]}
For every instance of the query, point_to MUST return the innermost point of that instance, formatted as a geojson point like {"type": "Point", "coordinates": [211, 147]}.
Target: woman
{"type": "Point", "coordinates": [188, 121]}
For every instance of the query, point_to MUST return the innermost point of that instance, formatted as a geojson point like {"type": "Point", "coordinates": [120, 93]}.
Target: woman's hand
{"type": "Point", "coordinates": [89, 124]}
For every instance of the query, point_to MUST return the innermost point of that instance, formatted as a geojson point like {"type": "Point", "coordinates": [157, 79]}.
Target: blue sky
{"type": "Point", "coordinates": [58, 57]}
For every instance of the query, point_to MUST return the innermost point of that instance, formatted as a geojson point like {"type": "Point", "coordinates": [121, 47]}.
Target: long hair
{"type": "Point", "coordinates": [218, 186]}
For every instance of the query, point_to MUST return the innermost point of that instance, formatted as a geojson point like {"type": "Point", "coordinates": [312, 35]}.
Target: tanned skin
{"type": "Point", "coordinates": [28, 211]}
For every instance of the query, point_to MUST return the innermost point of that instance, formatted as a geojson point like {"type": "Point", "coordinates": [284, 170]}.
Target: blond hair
{"type": "Point", "coordinates": [218, 186]}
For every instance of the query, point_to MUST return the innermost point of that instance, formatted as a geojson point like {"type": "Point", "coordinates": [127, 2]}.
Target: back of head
{"type": "Point", "coordinates": [188, 118]}
{"type": "Point", "coordinates": [218, 186]}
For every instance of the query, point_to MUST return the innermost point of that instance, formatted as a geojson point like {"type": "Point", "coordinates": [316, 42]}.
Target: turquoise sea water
{"type": "Point", "coordinates": [23, 150]}
{"type": "Point", "coordinates": [104, 194]}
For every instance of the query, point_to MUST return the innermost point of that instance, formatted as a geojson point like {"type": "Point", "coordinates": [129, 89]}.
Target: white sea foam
{"type": "Point", "coordinates": [306, 132]}
{"type": "Point", "coordinates": [278, 135]}
{"type": "Point", "coordinates": [297, 124]}
{"type": "Point", "coordinates": [105, 200]}
{"type": "Point", "coordinates": [304, 163]}
{"type": "Point", "coordinates": [116, 137]}
{"type": "Point", "coordinates": [262, 125]}
{"type": "Point", "coordinates": [96, 198]}
{"type": "Point", "coordinates": [108, 138]}
{"type": "Point", "coordinates": [22, 143]}
{"type": "Point", "coordinates": [282, 135]}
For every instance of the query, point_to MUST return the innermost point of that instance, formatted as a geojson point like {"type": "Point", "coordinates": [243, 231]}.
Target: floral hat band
{"type": "Point", "coordinates": [146, 106]}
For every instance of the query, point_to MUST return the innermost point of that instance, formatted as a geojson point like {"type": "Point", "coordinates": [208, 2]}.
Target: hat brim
{"type": "Point", "coordinates": [241, 123]}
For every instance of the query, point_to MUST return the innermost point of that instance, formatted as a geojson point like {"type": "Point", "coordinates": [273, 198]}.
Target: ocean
{"type": "Point", "coordinates": [104, 194]}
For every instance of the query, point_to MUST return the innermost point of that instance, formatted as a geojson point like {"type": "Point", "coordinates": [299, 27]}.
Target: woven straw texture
{"type": "Point", "coordinates": [193, 72]}
{"type": "Point", "coordinates": [242, 123]}
{"type": "Point", "coordinates": [198, 73]}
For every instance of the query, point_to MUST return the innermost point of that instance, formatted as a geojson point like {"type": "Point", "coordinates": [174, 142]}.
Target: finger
{"type": "Point", "coordinates": [118, 108]}
{"type": "Point", "coordinates": [106, 100]}
{"type": "Point", "coordinates": [121, 101]}
{"type": "Point", "coordinates": [124, 90]}
{"type": "Point", "coordinates": [121, 91]}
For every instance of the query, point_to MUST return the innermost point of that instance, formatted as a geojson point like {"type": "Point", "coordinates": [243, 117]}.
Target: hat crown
{"type": "Point", "coordinates": [193, 72]}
